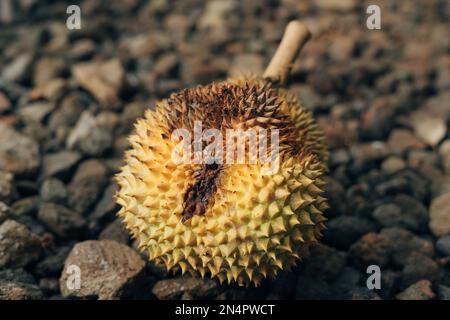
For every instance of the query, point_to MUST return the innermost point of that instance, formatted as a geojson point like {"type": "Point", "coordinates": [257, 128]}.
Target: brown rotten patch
{"type": "Point", "coordinates": [199, 195]}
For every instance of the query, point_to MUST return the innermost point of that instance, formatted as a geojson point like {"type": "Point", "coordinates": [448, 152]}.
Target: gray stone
{"type": "Point", "coordinates": [418, 267]}
{"type": "Point", "coordinates": [53, 190]}
{"type": "Point", "coordinates": [115, 231]}
{"type": "Point", "coordinates": [16, 275]}
{"type": "Point", "coordinates": [53, 263]}
{"type": "Point", "coordinates": [18, 246]}
{"type": "Point", "coordinates": [89, 136]}
{"type": "Point", "coordinates": [87, 185]}
{"type": "Point", "coordinates": [19, 154]}
{"type": "Point", "coordinates": [59, 163]}
{"type": "Point", "coordinates": [443, 245]}
{"type": "Point", "coordinates": [62, 221]}
{"type": "Point", "coordinates": [404, 243]}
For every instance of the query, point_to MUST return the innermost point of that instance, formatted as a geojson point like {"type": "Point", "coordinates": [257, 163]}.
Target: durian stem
{"type": "Point", "coordinates": [294, 38]}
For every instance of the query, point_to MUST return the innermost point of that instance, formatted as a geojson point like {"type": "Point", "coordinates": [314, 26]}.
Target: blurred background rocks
{"type": "Point", "coordinates": [68, 100]}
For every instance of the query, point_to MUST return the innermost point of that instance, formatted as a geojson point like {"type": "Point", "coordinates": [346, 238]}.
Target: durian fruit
{"type": "Point", "coordinates": [228, 221]}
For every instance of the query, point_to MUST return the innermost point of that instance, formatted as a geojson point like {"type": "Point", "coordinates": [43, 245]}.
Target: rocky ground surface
{"type": "Point", "coordinates": [68, 99]}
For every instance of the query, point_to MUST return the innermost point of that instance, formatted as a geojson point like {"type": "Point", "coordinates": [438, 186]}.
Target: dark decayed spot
{"type": "Point", "coordinates": [198, 196]}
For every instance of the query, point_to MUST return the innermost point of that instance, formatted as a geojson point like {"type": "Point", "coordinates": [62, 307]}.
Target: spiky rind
{"type": "Point", "coordinates": [255, 224]}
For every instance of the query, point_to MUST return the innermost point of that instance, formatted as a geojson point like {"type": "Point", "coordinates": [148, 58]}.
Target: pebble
{"type": "Point", "coordinates": [109, 270]}
{"type": "Point", "coordinates": [335, 193]}
{"type": "Point", "coordinates": [7, 188]}
{"type": "Point", "coordinates": [440, 215]}
{"type": "Point", "coordinates": [429, 129]}
{"type": "Point", "coordinates": [19, 154]}
{"type": "Point", "coordinates": [443, 245]}
{"type": "Point", "coordinates": [18, 245]}
{"type": "Point", "coordinates": [421, 290]}
{"type": "Point", "coordinates": [389, 283]}
{"type": "Point", "coordinates": [4, 212]}
{"type": "Point", "coordinates": [418, 267]}
{"type": "Point", "coordinates": [404, 212]}
{"type": "Point", "coordinates": [87, 185]}
{"type": "Point", "coordinates": [53, 263]}
{"type": "Point", "coordinates": [444, 152]}
{"type": "Point", "coordinates": [35, 112]}
{"type": "Point", "coordinates": [67, 114]}
{"type": "Point", "coordinates": [363, 293]}
{"type": "Point", "coordinates": [106, 205]}
{"type": "Point", "coordinates": [103, 80]}
{"type": "Point", "coordinates": [59, 163]}
{"type": "Point", "coordinates": [215, 14]}
{"type": "Point", "coordinates": [53, 190]}
{"type": "Point", "coordinates": [367, 154]}
{"type": "Point", "coordinates": [115, 231]}
{"type": "Point", "coordinates": [402, 140]}
{"type": "Point", "coordinates": [372, 248]}
{"type": "Point", "coordinates": [89, 136]}
{"type": "Point", "coordinates": [26, 206]}
{"type": "Point", "coordinates": [404, 243]}
{"type": "Point", "coordinates": [19, 291]}
{"type": "Point", "coordinates": [378, 121]}
{"type": "Point", "coordinates": [393, 164]}
{"type": "Point", "coordinates": [62, 221]}
{"type": "Point", "coordinates": [19, 68]}
{"type": "Point", "coordinates": [5, 103]}
{"type": "Point", "coordinates": [47, 69]}
{"type": "Point", "coordinates": [175, 288]}
{"type": "Point", "coordinates": [17, 275]}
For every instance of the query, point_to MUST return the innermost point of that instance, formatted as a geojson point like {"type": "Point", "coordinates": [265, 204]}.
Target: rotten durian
{"type": "Point", "coordinates": [225, 220]}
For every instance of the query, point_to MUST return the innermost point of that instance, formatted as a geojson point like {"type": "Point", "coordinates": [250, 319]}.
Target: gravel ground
{"type": "Point", "coordinates": [68, 100]}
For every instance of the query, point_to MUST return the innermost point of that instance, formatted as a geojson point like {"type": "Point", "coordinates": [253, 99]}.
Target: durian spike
{"type": "Point", "coordinates": [294, 38]}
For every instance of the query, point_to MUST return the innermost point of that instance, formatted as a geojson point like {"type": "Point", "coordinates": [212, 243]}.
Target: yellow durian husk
{"type": "Point", "coordinates": [256, 224]}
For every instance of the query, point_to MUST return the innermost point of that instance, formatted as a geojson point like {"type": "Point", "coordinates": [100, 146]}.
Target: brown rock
{"type": "Point", "coordinates": [430, 129]}
{"type": "Point", "coordinates": [102, 79]}
{"type": "Point", "coordinates": [421, 290]}
{"type": "Point", "coordinates": [402, 140]}
{"type": "Point", "coordinates": [371, 249]}
{"type": "Point", "coordinates": [19, 154]}
{"type": "Point", "coordinates": [10, 290]}
{"type": "Point", "coordinates": [440, 215]}
{"type": "Point", "coordinates": [108, 270]}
